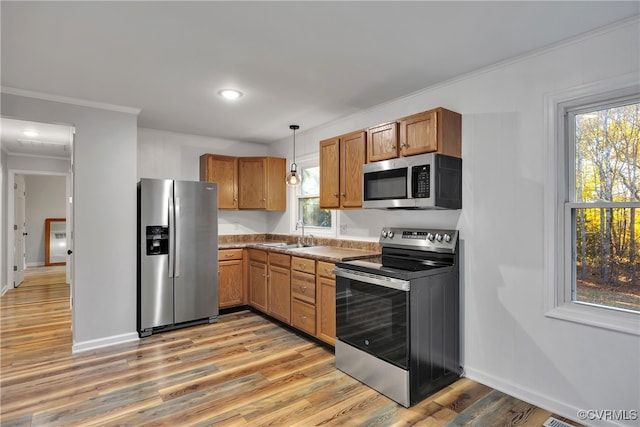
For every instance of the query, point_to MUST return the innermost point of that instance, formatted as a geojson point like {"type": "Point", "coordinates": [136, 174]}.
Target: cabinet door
{"type": "Point", "coordinates": [382, 142]}
{"type": "Point", "coordinates": [230, 283]}
{"type": "Point", "coordinates": [222, 170]}
{"type": "Point", "coordinates": [276, 189]}
{"type": "Point", "coordinates": [330, 173]}
{"type": "Point", "coordinates": [326, 309]}
{"type": "Point", "coordinates": [252, 183]}
{"type": "Point", "coordinates": [280, 293]}
{"type": "Point", "coordinates": [419, 133]}
{"type": "Point", "coordinates": [258, 285]}
{"type": "Point", "coordinates": [352, 157]}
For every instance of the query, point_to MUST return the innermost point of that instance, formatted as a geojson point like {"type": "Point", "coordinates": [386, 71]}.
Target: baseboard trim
{"type": "Point", "coordinates": [80, 347]}
{"type": "Point", "coordinates": [545, 402]}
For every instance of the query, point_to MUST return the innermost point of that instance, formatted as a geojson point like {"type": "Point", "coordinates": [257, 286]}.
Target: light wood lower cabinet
{"type": "Point", "coordinates": [230, 278]}
{"type": "Point", "coordinates": [303, 294]}
{"type": "Point", "coordinates": [279, 287]}
{"type": "Point", "coordinates": [296, 290]}
{"type": "Point", "coordinates": [326, 303]}
{"type": "Point", "coordinates": [258, 279]}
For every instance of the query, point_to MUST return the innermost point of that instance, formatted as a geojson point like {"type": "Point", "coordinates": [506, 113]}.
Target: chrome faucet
{"type": "Point", "coordinates": [300, 224]}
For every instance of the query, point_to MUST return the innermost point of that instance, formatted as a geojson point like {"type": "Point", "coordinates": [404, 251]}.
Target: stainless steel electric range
{"type": "Point", "coordinates": [397, 323]}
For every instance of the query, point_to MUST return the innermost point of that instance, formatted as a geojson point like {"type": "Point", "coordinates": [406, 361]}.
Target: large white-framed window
{"type": "Point", "coordinates": [594, 246]}
{"type": "Point", "coordinates": [306, 202]}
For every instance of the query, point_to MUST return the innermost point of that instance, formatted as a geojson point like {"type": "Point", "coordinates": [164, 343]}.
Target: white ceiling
{"type": "Point", "coordinates": [52, 140]}
{"type": "Point", "coordinates": [296, 62]}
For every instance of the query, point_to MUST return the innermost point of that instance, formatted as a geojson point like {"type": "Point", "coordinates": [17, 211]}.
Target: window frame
{"type": "Point", "coordinates": [308, 161]}
{"type": "Point", "coordinates": [560, 202]}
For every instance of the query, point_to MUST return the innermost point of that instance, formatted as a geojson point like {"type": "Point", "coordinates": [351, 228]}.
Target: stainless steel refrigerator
{"type": "Point", "coordinates": [177, 254]}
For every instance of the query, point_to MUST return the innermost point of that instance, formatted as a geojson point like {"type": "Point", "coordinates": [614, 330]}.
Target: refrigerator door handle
{"type": "Point", "coordinates": [172, 241]}
{"type": "Point", "coordinates": [178, 243]}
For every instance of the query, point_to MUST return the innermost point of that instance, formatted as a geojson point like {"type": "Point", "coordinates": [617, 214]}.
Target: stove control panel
{"type": "Point", "coordinates": [421, 239]}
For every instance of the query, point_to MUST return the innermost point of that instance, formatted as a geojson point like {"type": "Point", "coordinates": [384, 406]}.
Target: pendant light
{"type": "Point", "coordinates": [293, 178]}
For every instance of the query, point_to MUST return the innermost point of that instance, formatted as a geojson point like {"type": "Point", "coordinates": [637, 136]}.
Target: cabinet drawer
{"type": "Point", "coordinates": [303, 286]}
{"type": "Point", "coordinates": [303, 316]}
{"type": "Point", "coordinates": [325, 269]}
{"type": "Point", "coordinates": [279, 259]}
{"type": "Point", "coordinates": [257, 255]}
{"type": "Point", "coordinates": [303, 264]}
{"type": "Point", "coordinates": [228, 254]}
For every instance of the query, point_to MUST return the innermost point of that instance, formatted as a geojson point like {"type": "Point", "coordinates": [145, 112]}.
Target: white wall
{"type": "Point", "coordinates": [104, 258]}
{"type": "Point", "coordinates": [509, 343]}
{"type": "Point", "coordinates": [172, 155]}
{"type": "Point", "coordinates": [45, 198]}
{"type": "Point", "coordinates": [4, 285]}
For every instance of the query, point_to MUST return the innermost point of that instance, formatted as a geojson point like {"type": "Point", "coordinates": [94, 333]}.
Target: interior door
{"type": "Point", "coordinates": [19, 231]}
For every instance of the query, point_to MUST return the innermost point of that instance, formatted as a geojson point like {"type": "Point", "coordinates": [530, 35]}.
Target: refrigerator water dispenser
{"type": "Point", "coordinates": [157, 240]}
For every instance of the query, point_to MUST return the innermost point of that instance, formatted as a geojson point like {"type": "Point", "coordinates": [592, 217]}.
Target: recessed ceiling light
{"type": "Point", "coordinates": [30, 133]}
{"type": "Point", "coordinates": [230, 93]}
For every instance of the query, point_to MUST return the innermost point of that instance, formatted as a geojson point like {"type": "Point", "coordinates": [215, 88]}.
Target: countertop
{"type": "Point", "coordinates": [320, 253]}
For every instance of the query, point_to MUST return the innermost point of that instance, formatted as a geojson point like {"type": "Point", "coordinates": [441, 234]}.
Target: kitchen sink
{"type": "Point", "coordinates": [285, 245]}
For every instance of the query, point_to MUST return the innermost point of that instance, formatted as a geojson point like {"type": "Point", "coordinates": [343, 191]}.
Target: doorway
{"type": "Point", "coordinates": [45, 155]}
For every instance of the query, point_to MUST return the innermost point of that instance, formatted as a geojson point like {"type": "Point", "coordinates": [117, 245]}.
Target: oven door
{"type": "Point", "coordinates": [372, 314]}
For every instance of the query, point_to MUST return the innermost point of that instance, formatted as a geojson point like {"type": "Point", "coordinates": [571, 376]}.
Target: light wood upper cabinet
{"type": "Point", "coordinates": [434, 131]}
{"type": "Point", "coordinates": [341, 160]}
{"type": "Point", "coordinates": [352, 157]}
{"type": "Point", "coordinates": [247, 182]}
{"type": "Point", "coordinates": [222, 170]}
{"type": "Point", "coordinates": [382, 142]}
{"type": "Point", "coordinates": [261, 183]}
{"type": "Point", "coordinates": [330, 173]}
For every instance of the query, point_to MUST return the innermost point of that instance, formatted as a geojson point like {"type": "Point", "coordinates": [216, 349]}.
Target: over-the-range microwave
{"type": "Point", "coordinates": [425, 181]}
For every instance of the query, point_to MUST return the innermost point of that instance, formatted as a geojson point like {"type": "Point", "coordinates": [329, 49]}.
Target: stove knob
{"type": "Point", "coordinates": [390, 234]}
{"type": "Point", "coordinates": [447, 238]}
{"type": "Point", "coordinates": [439, 237]}
{"type": "Point", "coordinates": [430, 237]}
{"type": "Point", "coordinates": [384, 233]}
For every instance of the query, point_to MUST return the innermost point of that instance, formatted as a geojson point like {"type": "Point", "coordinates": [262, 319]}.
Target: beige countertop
{"type": "Point", "coordinates": [321, 253]}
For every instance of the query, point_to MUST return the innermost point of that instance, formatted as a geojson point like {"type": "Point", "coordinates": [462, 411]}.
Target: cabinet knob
{"type": "Point", "coordinates": [403, 145]}
{"type": "Point", "coordinates": [303, 289]}
{"type": "Point", "coordinates": [335, 194]}
{"type": "Point", "coordinates": [344, 194]}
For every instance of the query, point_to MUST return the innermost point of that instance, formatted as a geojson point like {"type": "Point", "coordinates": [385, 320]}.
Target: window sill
{"type": "Point", "coordinates": [600, 317]}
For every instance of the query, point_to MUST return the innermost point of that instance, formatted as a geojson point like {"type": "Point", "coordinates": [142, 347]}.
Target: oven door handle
{"type": "Point", "coordinates": [374, 279]}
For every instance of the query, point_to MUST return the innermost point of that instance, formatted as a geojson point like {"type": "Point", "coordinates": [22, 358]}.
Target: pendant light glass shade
{"type": "Point", "coordinates": [293, 178]}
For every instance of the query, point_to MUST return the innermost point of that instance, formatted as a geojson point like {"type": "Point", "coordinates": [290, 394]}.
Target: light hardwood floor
{"type": "Point", "coordinates": [243, 370]}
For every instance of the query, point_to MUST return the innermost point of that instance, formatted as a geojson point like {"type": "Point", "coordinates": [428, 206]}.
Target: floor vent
{"type": "Point", "coordinates": [554, 422]}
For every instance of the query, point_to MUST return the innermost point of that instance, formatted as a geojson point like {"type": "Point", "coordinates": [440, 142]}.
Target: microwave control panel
{"type": "Point", "coordinates": [421, 182]}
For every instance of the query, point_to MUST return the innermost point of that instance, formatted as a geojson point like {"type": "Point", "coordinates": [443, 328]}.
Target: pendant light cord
{"type": "Point", "coordinates": [294, 127]}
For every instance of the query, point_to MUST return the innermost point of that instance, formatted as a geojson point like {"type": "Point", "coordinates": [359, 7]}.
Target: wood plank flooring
{"type": "Point", "coordinates": [243, 370]}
